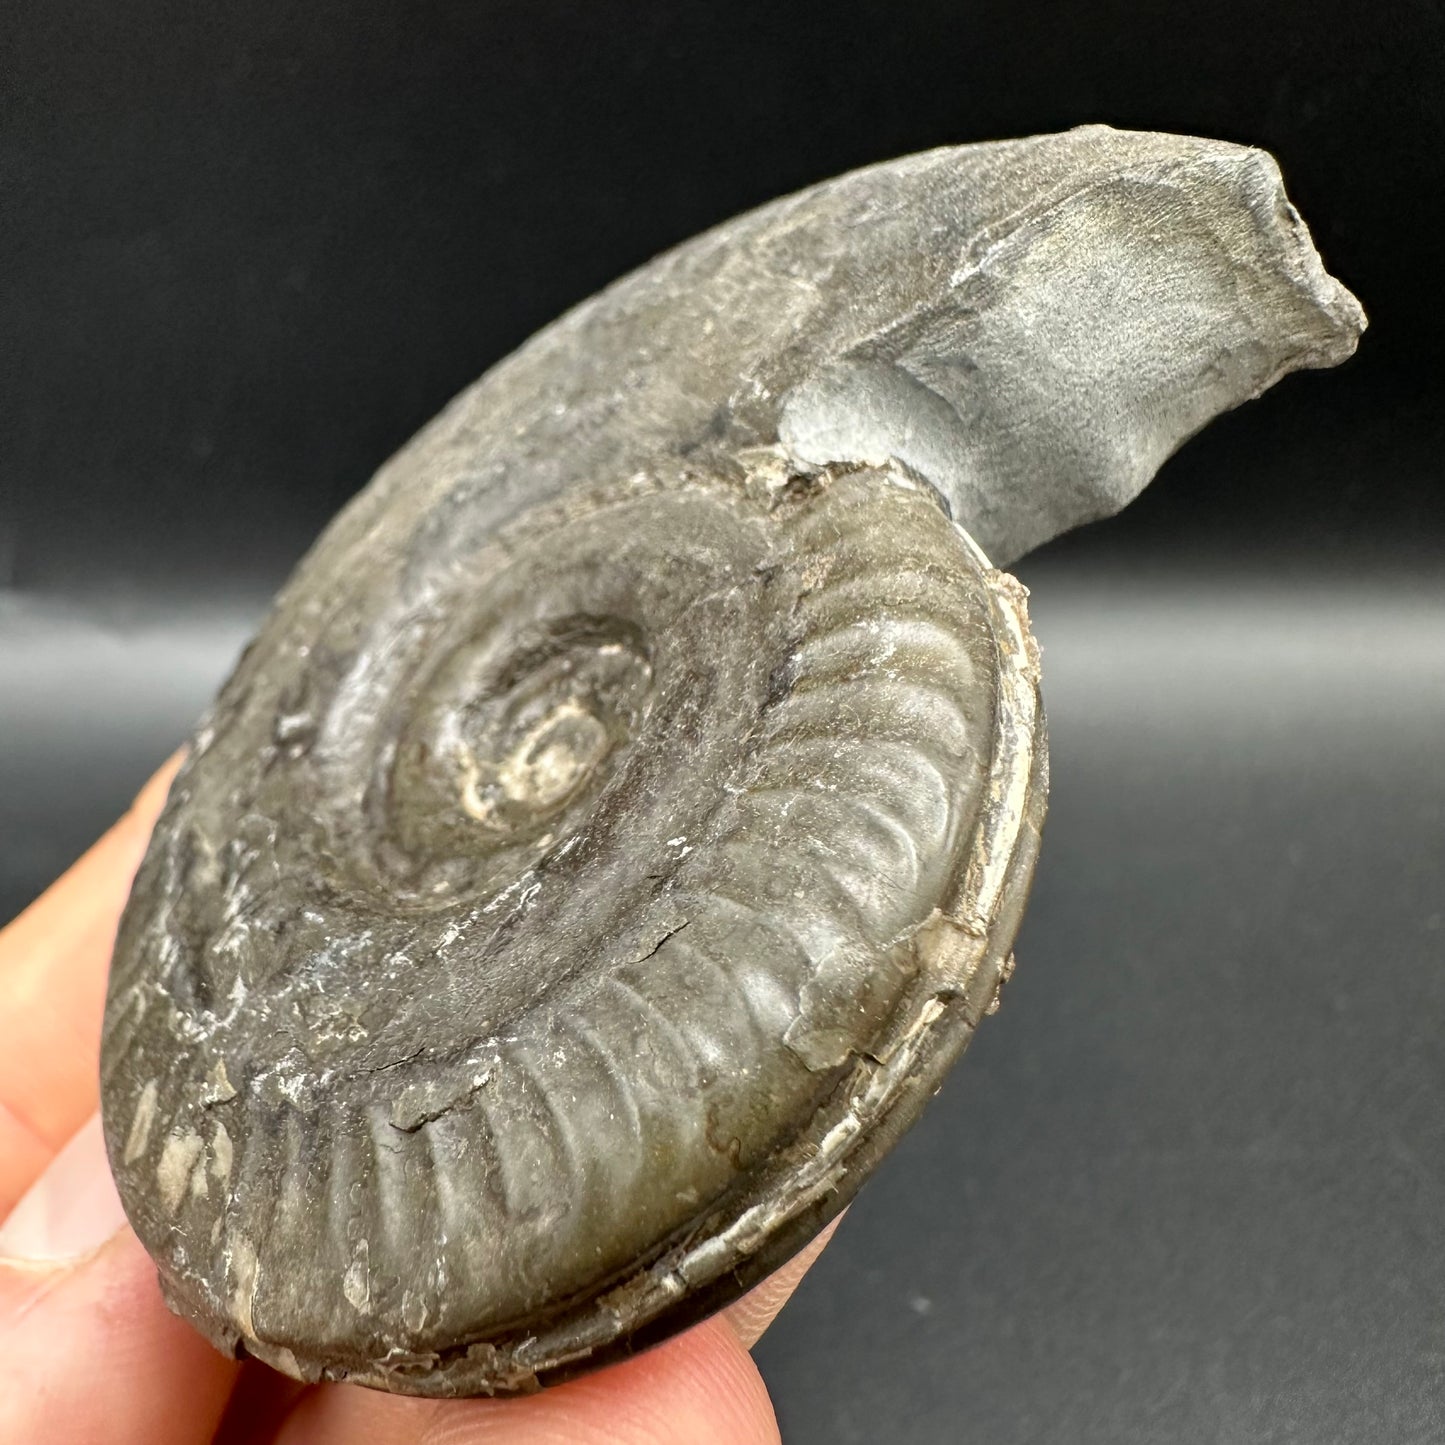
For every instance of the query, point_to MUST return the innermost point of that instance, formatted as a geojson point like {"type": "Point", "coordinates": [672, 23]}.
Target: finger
{"type": "Point", "coordinates": [53, 961]}
{"type": "Point", "coordinates": [701, 1388]}
{"type": "Point", "coordinates": [259, 1404]}
{"type": "Point", "coordinates": [88, 1351]}
{"type": "Point", "coordinates": [757, 1309]}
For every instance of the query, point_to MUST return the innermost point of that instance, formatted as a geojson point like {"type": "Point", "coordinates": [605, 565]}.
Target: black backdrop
{"type": "Point", "coordinates": [246, 250]}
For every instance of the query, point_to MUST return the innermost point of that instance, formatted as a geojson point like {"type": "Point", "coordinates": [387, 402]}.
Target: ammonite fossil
{"type": "Point", "coordinates": [623, 818]}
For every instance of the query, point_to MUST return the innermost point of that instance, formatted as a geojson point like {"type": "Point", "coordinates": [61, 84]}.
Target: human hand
{"type": "Point", "coordinates": [88, 1351]}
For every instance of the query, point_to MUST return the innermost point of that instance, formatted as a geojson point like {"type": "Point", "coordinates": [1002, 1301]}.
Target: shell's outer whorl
{"type": "Point", "coordinates": [554, 1046]}
{"type": "Point", "coordinates": [624, 816]}
{"type": "Point", "coordinates": [1032, 325]}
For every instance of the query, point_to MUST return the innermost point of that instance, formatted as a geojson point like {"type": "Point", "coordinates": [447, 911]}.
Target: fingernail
{"type": "Point", "coordinates": [71, 1210]}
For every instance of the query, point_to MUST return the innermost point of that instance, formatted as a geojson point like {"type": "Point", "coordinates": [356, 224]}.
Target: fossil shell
{"type": "Point", "coordinates": [622, 821]}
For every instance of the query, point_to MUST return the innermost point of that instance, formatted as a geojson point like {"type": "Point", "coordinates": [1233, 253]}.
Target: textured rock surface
{"type": "Point", "coordinates": [623, 818]}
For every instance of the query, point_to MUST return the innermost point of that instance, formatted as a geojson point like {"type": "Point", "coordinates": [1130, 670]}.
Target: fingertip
{"type": "Point", "coordinates": [146, 805]}
{"type": "Point", "coordinates": [750, 1316]}
{"type": "Point", "coordinates": [712, 1379]}
{"type": "Point", "coordinates": [88, 1351]}
{"type": "Point", "coordinates": [70, 1211]}
{"type": "Point", "coordinates": [700, 1388]}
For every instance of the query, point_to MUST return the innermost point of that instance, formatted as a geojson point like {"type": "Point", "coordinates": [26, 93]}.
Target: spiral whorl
{"type": "Point", "coordinates": [623, 818]}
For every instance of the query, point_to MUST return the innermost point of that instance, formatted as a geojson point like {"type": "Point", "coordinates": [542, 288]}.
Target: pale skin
{"type": "Point", "coordinates": [88, 1351]}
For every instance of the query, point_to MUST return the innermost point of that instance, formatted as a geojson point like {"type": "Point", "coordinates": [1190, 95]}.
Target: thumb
{"type": "Point", "coordinates": [88, 1350]}
{"type": "Point", "coordinates": [68, 1213]}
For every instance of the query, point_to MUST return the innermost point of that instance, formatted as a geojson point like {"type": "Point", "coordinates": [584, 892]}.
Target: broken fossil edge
{"type": "Point", "coordinates": [1028, 328]}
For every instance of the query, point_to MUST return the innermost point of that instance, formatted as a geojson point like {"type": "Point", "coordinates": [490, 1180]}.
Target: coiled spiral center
{"type": "Point", "coordinates": [504, 746]}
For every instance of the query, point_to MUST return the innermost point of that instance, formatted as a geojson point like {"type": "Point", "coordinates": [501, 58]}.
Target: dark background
{"type": "Point", "coordinates": [1190, 1185]}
